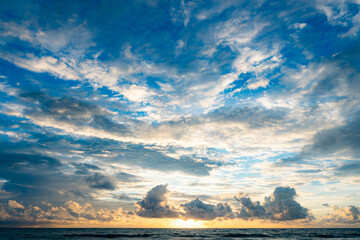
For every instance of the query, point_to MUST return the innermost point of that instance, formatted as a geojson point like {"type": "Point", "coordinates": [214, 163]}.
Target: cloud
{"type": "Point", "coordinates": [229, 89]}
{"type": "Point", "coordinates": [346, 137]}
{"type": "Point", "coordinates": [341, 13]}
{"type": "Point", "coordinates": [70, 38]}
{"type": "Point", "coordinates": [262, 83]}
{"type": "Point", "coordinates": [73, 111]}
{"type": "Point", "coordinates": [124, 197]}
{"type": "Point", "coordinates": [250, 209]}
{"type": "Point", "coordinates": [19, 161]}
{"type": "Point", "coordinates": [100, 181]}
{"type": "Point", "coordinates": [137, 93]}
{"type": "Point", "coordinates": [197, 209]}
{"type": "Point", "coordinates": [281, 206]}
{"type": "Point", "coordinates": [84, 168]}
{"type": "Point", "coordinates": [348, 215]}
{"type": "Point", "coordinates": [126, 177]}
{"type": "Point", "coordinates": [254, 117]}
{"type": "Point", "coordinates": [83, 118]}
{"type": "Point", "coordinates": [67, 213]}
{"type": "Point", "coordinates": [15, 204]}
{"type": "Point", "coordinates": [343, 140]}
{"type": "Point", "coordinates": [138, 155]}
{"type": "Point", "coordinates": [155, 204]}
{"type": "Point", "coordinates": [32, 177]}
{"type": "Point", "coordinates": [348, 168]}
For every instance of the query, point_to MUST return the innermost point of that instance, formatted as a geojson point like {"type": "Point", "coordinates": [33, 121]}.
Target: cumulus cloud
{"type": "Point", "coordinates": [350, 214]}
{"type": "Point", "coordinates": [68, 212]}
{"type": "Point", "coordinates": [155, 204]}
{"type": "Point", "coordinates": [281, 206]}
{"type": "Point", "coordinates": [250, 209]}
{"type": "Point", "coordinates": [197, 209]}
{"type": "Point", "coordinates": [100, 181]}
{"type": "Point", "coordinates": [15, 204]}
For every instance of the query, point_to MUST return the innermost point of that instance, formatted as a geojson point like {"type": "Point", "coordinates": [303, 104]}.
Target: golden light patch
{"type": "Point", "coordinates": [190, 223]}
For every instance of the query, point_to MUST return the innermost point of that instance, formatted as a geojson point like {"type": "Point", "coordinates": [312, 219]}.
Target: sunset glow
{"type": "Point", "coordinates": [190, 223]}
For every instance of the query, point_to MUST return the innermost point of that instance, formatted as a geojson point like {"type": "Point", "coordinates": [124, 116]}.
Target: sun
{"type": "Point", "coordinates": [189, 223]}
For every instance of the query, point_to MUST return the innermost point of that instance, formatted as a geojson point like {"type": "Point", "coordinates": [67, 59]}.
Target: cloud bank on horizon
{"type": "Point", "coordinates": [136, 111]}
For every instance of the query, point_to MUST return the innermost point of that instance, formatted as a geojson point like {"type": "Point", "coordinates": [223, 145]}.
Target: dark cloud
{"type": "Point", "coordinates": [124, 197]}
{"type": "Point", "coordinates": [72, 110]}
{"type": "Point", "coordinates": [309, 171]}
{"type": "Point", "coordinates": [281, 206]}
{"type": "Point", "coordinates": [342, 74]}
{"type": "Point", "coordinates": [23, 161]}
{"type": "Point", "coordinates": [31, 176]}
{"type": "Point", "coordinates": [100, 181]}
{"type": "Point", "coordinates": [250, 209]}
{"type": "Point", "coordinates": [197, 209]}
{"type": "Point", "coordinates": [129, 154]}
{"type": "Point", "coordinates": [355, 213]}
{"type": "Point", "coordinates": [126, 177]}
{"type": "Point", "coordinates": [349, 168]}
{"type": "Point", "coordinates": [84, 168]}
{"type": "Point", "coordinates": [138, 155]}
{"type": "Point", "coordinates": [345, 138]}
{"type": "Point", "coordinates": [155, 204]}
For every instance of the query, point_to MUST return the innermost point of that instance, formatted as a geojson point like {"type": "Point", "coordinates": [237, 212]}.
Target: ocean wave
{"type": "Point", "coordinates": [107, 235]}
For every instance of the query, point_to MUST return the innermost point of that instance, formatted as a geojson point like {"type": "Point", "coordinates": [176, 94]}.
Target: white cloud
{"type": "Point", "coordinates": [262, 83]}
{"type": "Point", "coordinates": [137, 93]}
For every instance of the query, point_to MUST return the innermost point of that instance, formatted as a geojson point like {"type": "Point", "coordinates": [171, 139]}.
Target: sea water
{"type": "Point", "coordinates": [136, 233]}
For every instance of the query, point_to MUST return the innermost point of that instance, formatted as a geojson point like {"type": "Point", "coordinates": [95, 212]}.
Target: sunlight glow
{"type": "Point", "coordinates": [190, 223]}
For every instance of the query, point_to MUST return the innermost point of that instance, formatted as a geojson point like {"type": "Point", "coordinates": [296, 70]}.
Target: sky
{"type": "Point", "coordinates": [151, 113]}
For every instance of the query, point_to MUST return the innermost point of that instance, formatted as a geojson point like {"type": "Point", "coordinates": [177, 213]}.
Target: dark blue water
{"type": "Point", "coordinates": [121, 233]}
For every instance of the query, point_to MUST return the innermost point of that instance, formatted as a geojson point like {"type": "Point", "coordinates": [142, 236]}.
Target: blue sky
{"type": "Point", "coordinates": [132, 113]}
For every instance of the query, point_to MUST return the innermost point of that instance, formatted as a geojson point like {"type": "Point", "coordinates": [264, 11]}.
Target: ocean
{"type": "Point", "coordinates": [136, 233]}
